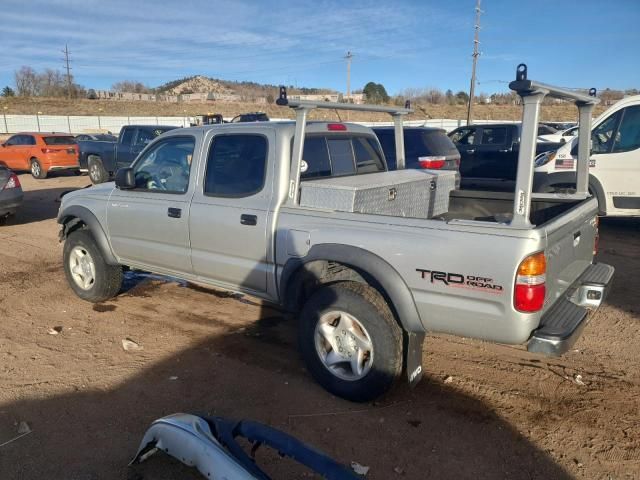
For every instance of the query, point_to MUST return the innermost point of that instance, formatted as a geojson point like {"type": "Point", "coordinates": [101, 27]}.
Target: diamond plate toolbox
{"type": "Point", "coordinates": [400, 193]}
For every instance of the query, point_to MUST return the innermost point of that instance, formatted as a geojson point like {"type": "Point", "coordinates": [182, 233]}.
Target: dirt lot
{"type": "Point", "coordinates": [504, 413]}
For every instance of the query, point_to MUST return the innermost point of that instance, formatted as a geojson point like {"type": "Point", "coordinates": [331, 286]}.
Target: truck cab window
{"type": "Point", "coordinates": [316, 159]}
{"type": "Point", "coordinates": [341, 154]}
{"type": "Point", "coordinates": [166, 166]}
{"type": "Point", "coordinates": [465, 136]}
{"type": "Point", "coordinates": [494, 136]}
{"type": "Point", "coordinates": [127, 136]}
{"type": "Point", "coordinates": [368, 156]}
{"type": "Point", "coordinates": [236, 166]}
{"type": "Point", "coordinates": [628, 136]}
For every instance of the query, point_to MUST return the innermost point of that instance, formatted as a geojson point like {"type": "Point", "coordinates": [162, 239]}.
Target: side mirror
{"type": "Point", "coordinates": [125, 179]}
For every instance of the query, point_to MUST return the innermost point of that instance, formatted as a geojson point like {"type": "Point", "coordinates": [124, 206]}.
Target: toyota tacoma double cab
{"type": "Point", "coordinates": [275, 210]}
{"type": "Point", "coordinates": [102, 159]}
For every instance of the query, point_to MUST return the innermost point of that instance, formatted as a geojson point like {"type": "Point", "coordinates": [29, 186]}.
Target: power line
{"type": "Point", "coordinates": [475, 55]}
{"type": "Point", "coordinates": [68, 67]}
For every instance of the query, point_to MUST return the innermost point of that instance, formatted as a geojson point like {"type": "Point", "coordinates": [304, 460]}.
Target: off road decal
{"type": "Point", "coordinates": [457, 280]}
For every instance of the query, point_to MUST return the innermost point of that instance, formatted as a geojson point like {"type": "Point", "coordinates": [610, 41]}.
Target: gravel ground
{"type": "Point", "coordinates": [483, 411]}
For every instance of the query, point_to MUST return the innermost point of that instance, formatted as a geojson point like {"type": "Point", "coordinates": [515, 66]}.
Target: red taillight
{"type": "Point", "coordinates": [336, 127]}
{"type": "Point", "coordinates": [13, 182]}
{"type": "Point", "coordinates": [432, 162]}
{"type": "Point", "coordinates": [530, 288]}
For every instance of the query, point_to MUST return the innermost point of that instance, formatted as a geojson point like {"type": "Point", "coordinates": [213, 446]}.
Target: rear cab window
{"type": "Point", "coordinates": [339, 155]}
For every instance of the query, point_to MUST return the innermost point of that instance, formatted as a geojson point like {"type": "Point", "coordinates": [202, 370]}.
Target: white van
{"type": "Point", "coordinates": [614, 165]}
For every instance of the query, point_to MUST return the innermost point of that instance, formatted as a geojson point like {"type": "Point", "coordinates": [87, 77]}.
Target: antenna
{"type": "Point", "coordinates": [68, 68]}
{"type": "Point", "coordinates": [348, 58]}
{"type": "Point", "coordinates": [475, 56]}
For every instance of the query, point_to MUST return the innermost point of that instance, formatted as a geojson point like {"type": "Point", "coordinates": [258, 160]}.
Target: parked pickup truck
{"type": "Point", "coordinates": [222, 206]}
{"type": "Point", "coordinates": [102, 159]}
{"type": "Point", "coordinates": [614, 164]}
{"type": "Point", "coordinates": [489, 154]}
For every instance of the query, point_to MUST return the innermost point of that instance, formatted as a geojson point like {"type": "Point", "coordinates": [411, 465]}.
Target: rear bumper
{"type": "Point", "coordinates": [563, 323]}
{"type": "Point", "coordinates": [64, 167]}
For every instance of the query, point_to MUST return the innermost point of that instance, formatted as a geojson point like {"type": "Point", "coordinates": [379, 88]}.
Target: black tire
{"type": "Point", "coordinates": [36, 169]}
{"type": "Point", "coordinates": [108, 278]}
{"type": "Point", "coordinates": [97, 172]}
{"type": "Point", "coordinates": [366, 305]}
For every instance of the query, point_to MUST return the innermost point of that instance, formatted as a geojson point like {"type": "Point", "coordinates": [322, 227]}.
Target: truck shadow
{"type": "Point", "coordinates": [38, 205]}
{"type": "Point", "coordinates": [620, 246]}
{"type": "Point", "coordinates": [253, 371]}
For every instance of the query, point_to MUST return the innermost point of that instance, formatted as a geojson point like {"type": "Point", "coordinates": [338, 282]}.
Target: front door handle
{"type": "Point", "coordinates": [248, 219]}
{"type": "Point", "coordinates": [471, 151]}
{"type": "Point", "coordinates": [174, 212]}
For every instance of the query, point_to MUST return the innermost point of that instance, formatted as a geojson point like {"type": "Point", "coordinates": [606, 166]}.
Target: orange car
{"type": "Point", "coordinates": [40, 153]}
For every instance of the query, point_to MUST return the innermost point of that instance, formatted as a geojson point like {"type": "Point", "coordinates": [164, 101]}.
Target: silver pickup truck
{"type": "Point", "coordinates": [221, 205]}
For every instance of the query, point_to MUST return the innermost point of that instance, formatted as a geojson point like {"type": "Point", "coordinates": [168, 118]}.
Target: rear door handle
{"type": "Point", "coordinates": [248, 219]}
{"type": "Point", "coordinates": [174, 212]}
{"type": "Point", "coordinates": [471, 151]}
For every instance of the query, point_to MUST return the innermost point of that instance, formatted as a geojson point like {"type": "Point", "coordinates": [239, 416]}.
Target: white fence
{"type": "Point", "coordinates": [87, 124]}
{"type": "Point", "coordinates": [81, 124]}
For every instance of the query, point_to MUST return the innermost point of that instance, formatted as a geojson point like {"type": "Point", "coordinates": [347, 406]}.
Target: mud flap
{"type": "Point", "coordinates": [413, 356]}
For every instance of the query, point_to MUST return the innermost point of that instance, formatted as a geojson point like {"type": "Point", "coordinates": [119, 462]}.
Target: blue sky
{"type": "Point", "coordinates": [401, 44]}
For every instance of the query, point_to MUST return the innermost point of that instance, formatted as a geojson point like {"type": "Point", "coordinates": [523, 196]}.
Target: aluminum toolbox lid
{"type": "Point", "coordinates": [371, 180]}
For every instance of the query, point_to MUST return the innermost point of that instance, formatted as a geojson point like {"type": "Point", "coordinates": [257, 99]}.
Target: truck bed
{"type": "Point", "coordinates": [498, 207]}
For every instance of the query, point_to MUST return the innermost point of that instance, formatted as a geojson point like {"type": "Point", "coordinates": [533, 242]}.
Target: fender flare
{"type": "Point", "coordinates": [543, 180]}
{"type": "Point", "coordinates": [75, 214]}
{"type": "Point", "coordinates": [384, 276]}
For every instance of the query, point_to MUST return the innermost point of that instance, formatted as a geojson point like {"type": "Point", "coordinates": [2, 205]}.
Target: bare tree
{"type": "Point", "coordinates": [130, 86]}
{"type": "Point", "coordinates": [26, 81]}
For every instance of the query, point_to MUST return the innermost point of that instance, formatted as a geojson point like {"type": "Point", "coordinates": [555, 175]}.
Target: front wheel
{"type": "Point", "coordinates": [36, 169]}
{"type": "Point", "coordinates": [88, 274]}
{"type": "Point", "coordinates": [350, 341]}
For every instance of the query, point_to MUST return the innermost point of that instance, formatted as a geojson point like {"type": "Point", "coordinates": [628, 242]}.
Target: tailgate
{"type": "Point", "coordinates": [569, 249]}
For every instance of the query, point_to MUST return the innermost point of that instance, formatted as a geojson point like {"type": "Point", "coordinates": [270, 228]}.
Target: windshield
{"type": "Point", "coordinates": [58, 140]}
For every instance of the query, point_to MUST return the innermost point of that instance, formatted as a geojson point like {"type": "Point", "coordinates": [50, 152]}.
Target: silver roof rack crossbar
{"type": "Point", "coordinates": [532, 94]}
{"type": "Point", "coordinates": [303, 107]}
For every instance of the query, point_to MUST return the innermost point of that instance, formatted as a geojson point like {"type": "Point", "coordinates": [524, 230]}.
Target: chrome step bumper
{"type": "Point", "coordinates": [563, 323]}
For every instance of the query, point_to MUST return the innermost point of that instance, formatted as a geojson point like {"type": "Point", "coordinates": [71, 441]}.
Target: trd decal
{"type": "Point", "coordinates": [460, 281]}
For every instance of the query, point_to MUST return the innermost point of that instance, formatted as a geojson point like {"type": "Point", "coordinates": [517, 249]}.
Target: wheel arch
{"type": "Point", "coordinates": [75, 217]}
{"type": "Point", "coordinates": [328, 263]}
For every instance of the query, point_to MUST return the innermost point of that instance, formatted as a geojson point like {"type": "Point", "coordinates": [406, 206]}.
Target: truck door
{"type": "Point", "coordinates": [230, 220]}
{"type": "Point", "coordinates": [493, 157]}
{"type": "Point", "coordinates": [465, 140]}
{"type": "Point", "coordinates": [615, 160]}
{"type": "Point", "coordinates": [149, 225]}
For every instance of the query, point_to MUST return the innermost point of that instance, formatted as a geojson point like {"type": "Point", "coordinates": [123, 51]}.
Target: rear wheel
{"type": "Point", "coordinates": [350, 341]}
{"type": "Point", "coordinates": [88, 274]}
{"type": "Point", "coordinates": [36, 169]}
{"type": "Point", "coordinates": [97, 173]}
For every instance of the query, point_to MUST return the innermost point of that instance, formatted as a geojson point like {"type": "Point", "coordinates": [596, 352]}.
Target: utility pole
{"type": "Point", "coordinates": [66, 60]}
{"type": "Point", "coordinates": [348, 57]}
{"type": "Point", "coordinates": [475, 56]}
